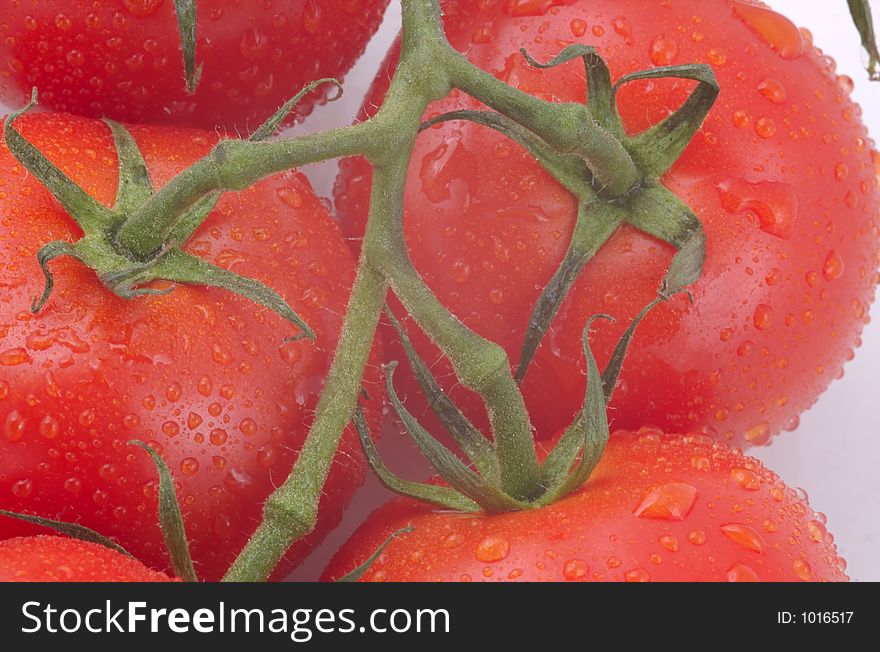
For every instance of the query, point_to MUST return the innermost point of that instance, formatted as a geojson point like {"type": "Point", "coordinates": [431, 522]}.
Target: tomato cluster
{"type": "Point", "coordinates": [782, 175]}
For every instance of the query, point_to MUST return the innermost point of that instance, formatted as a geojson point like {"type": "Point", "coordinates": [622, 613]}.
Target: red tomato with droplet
{"type": "Point", "coordinates": [658, 507]}
{"type": "Point", "coordinates": [56, 559]}
{"type": "Point", "coordinates": [783, 176]}
{"type": "Point", "coordinates": [124, 60]}
{"type": "Point", "coordinates": [206, 377]}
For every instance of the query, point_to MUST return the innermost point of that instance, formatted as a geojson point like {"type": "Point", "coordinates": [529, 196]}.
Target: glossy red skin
{"type": "Point", "coordinates": [123, 59]}
{"type": "Point", "coordinates": [740, 523]}
{"type": "Point", "coordinates": [56, 559]}
{"type": "Point", "coordinates": [183, 372]}
{"type": "Point", "coordinates": [774, 319]}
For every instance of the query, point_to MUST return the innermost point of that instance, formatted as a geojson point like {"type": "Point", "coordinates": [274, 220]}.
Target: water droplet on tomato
{"type": "Point", "coordinates": [86, 417]}
{"type": "Point", "coordinates": [759, 434]}
{"type": "Point", "coordinates": [669, 542]}
{"type": "Point", "coordinates": [833, 267]}
{"type": "Point", "coordinates": [578, 27]}
{"type": "Point", "coordinates": [775, 29]}
{"type": "Point", "coordinates": [663, 51]}
{"type": "Point", "coordinates": [697, 537]}
{"type": "Point", "coordinates": [189, 466]}
{"type": "Point", "coordinates": [741, 573]}
{"type": "Point", "coordinates": [773, 90]}
{"type": "Point", "coordinates": [744, 535]}
{"type": "Point", "coordinates": [746, 479]}
{"type": "Point", "coordinates": [763, 317]}
{"type": "Point", "coordinates": [13, 357]}
{"type": "Point", "coordinates": [816, 531]}
{"type": "Point", "coordinates": [623, 27]}
{"type": "Point", "coordinates": [765, 127]}
{"type": "Point", "coordinates": [493, 548]}
{"type": "Point", "coordinates": [22, 488]}
{"type": "Point", "coordinates": [49, 427]}
{"type": "Point", "coordinates": [141, 8]}
{"type": "Point", "coordinates": [219, 437]}
{"type": "Point", "coordinates": [518, 8]}
{"type": "Point", "coordinates": [669, 502]}
{"type": "Point", "coordinates": [13, 426]}
{"type": "Point", "coordinates": [803, 569]}
{"type": "Point", "coordinates": [637, 575]}
{"type": "Point", "coordinates": [574, 570]}
{"type": "Point", "coordinates": [774, 204]}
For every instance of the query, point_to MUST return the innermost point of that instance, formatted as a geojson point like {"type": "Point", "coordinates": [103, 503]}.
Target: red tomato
{"type": "Point", "coordinates": [658, 507]}
{"type": "Point", "coordinates": [56, 559]}
{"type": "Point", "coordinates": [782, 175]}
{"type": "Point", "coordinates": [124, 59]}
{"type": "Point", "coordinates": [203, 375]}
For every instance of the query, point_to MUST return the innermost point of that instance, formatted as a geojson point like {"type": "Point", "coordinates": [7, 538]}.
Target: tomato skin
{"type": "Point", "coordinates": [124, 60]}
{"type": "Point", "coordinates": [202, 375]}
{"type": "Point", "coordinates": [790, 217]}
{"type": "Point", "coordinates": [57, 559]}
{"type": "Point", "coordinates": [707, 513]}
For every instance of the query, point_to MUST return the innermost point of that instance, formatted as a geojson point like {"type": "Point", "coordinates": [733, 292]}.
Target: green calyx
{"type": "Point", "coordinates": [124, 271]}
{"type": "Point", "coordinates": [476, 484]}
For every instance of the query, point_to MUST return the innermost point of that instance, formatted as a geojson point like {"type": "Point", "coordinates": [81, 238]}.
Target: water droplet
{"type": "Point", "coordinates": [741, 573]}
{"type": "Point", "coordinates": [173, 392]}
{"type": "Point", "coordinates": [578, 27]}
{"type": "Point", "coordinates": [452, 540]}
{"type": "Point", "coordinates": [746, 479]}
{"type": "Point", "coordinates": [841, 171]}
{"type": "Point", "coordinates": [49, 427]}
{"type": "Point", "coordinates": [13, 426]}
{"type": "Point", "coordinates": [816, 531]}
{"type": "Point", "coordinates": [13, 357]}
{"type": "Point", "coordinates": [803, 569]}
{"type": "Point", "coordinates": [219, 437]}
{"type": "Point", "coordinates": [669, 502]}
{"type": "Point", "coordinates": [204, 386]}
{"type": "Point", "coordinates": [775, 29]}
{"type": "Point", "coordinates": [697, 537]}
{"type": "Point", "coordinates": [575, 569]}
{"type": "Point", "coordinates": [519, 8]}
{"type": "Point", "coordinates": [763, 317]}
{"type": "Point", "coordinates": [460, 271]}
{"type": "Point", "coordinates": [493, 548]}
{"type": "Point", "coordinates": [73, 486]}
{"type": "Point", "coordinates": [623, 27]}
{"type": "Point", "coordinates": [189, 466]}
{"type": "Point", "coordinates": [773, 90]}
{"type": "Point", "coordinates": [22, 488]}
{"type": "Point", "coordinates": [637, 575]}
{"type": "Point", "coordinates": [833, 268]}
{"type": "Point", "coordinates": [267, 456]}
{"type": "Point", "coordinates": [765, 127]}
{"type": "Point", "coordinates": [741, 119]}
{"type": "Point", "coordinates": [669, 542]}
{"type": "Point", "coordinates": [663, 51]}
{"type": "Point", "coordinates": [774, 204]}
{"type": "Point", "coordinates": [86, 417]}
{"type": "Point", "coordinates": [758, 434]}
{"type": "Point", "coordinates": [701, 463]}
{"type": "Point", "coordinates": [193, 421]}
{"type": "Point", "coordinates": [170, 428]}
{"type": "Point", "coordinates": [141, 8]}
{"type": "Point", "coordinates": [744, 535]}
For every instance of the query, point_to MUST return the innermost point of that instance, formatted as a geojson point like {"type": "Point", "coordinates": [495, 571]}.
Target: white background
{"type": "Point", "coordinates": [834, 453]}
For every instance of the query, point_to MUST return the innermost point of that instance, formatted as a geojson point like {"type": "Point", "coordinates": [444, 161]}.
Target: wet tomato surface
{"type": "Point", "coordinates": [204, 376]}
